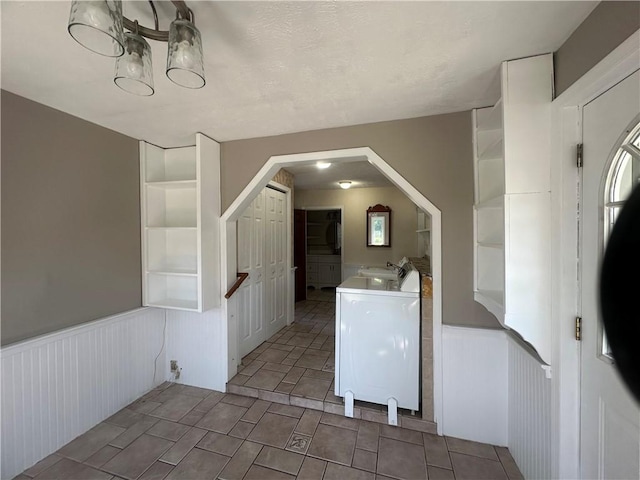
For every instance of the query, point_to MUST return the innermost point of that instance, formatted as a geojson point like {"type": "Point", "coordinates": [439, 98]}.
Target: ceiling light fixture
{"type": "Point", "coordinates": [99, 26]}
{"type": "Point", "coordinates": [323, 165]}
{"type": "Point", "coordinates": [345, 184]}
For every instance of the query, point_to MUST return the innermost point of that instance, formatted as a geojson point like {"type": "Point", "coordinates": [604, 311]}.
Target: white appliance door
{"type": "Point", "coordinates": [379, 348]}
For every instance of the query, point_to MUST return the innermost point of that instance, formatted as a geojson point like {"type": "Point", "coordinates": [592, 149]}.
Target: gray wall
{"type": "Point", "coordinates": [608, 25]}
{"type": "Point", "coordinates": [433, 153]}
{"type": "Point", "coordinates": [70, 220]}
{"type": "Point", "coordinates": [404, 241]}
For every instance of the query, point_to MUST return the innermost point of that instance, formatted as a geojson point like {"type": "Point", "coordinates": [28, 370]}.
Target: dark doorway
{"type": "Point", "coordinates": [300, 253]}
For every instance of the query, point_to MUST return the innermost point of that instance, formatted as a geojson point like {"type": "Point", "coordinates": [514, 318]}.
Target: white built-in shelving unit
{"type": "Point", "coordinates": [512, 201]}
{"type": "Point", "coordinates": [180, 214]}
{"type": "Point", "coordinates": [423, 231]}
{"type": "Point", "coordinates": [489, 208]}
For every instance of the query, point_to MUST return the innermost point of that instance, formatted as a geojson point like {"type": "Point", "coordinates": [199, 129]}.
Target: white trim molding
{"type": "Point", "coordinates": [57, 386]}
{"type": "Point", "coordinates": [262, 178]}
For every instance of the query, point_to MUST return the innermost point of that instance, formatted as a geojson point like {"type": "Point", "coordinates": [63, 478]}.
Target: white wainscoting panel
{"type": "Point", "coordinates": [529, 413]}
{"type": "Point", "coordinates": [199, 344]}
{"type": "Point", "coordinates": [474, 371]}
{"type": "Point", "coordinates": [57, 386]}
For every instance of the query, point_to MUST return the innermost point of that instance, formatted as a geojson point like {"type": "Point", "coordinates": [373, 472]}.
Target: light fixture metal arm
{"type": "Point", "coordinates": [157, 34]}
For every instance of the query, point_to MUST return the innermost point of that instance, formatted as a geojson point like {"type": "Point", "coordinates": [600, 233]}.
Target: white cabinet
{"type": "Point", "coordinates": [512, 201]}
{"type": "Point", "coordinates": [329, 273]}
{"type": "Point", "coordinates": [180, 214]}
{"type": "Point", "coordinates": [324, 271]}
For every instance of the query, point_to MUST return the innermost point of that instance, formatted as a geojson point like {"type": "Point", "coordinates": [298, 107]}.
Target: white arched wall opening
{"type": "Point", "coordinates": [261, 179]}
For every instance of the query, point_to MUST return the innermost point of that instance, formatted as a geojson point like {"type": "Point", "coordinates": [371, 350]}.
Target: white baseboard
{"type": "Point", "coordinates": [57, 386]}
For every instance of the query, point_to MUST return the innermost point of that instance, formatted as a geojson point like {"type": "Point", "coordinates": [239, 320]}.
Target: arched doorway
{"type": "Point", "coordinates": [262, 178]}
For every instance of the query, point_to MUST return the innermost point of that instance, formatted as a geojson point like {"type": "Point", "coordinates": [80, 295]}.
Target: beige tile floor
{"type": "Point", "coordinates": [296, 366]}
{"type": "Point", "coordinates": [183, 432]}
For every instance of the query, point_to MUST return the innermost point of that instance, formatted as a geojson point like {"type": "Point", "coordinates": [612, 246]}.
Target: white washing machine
{"type": "Point", "coordinates": [378, 341]}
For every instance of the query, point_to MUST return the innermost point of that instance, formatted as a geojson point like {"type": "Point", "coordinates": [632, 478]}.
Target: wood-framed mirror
{"type": "Point", "coordinates": [378, 226]}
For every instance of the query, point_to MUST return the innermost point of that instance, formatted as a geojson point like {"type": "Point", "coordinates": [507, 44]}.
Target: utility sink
{"type": "Point", "coordinates": [388, 273]}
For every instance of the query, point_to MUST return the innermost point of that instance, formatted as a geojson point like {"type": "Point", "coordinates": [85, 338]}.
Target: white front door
{"type": "Point", "coordinates": [276, 315]}
{"type": "Point", "coordinates": [609, 416]}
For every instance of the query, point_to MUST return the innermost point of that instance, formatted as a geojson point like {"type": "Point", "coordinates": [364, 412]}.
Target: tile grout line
{"type": "Point", "coordinates": [236, 403]}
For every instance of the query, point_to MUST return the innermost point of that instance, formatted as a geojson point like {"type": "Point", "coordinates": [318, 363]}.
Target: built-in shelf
{"type": "Point", "coordinates": [491, 245]}
{"type": "Point", "coordinates": [423, 232]}
{"type": "Point", "coordinates": [174, 271]}
{"type": "Point", "coordinates": [171, 204]}
{"type": "Point", "coordinates": [495, 202]}
{"type": "Point", "coordinates": [512, 201]}
{"type": "Point", "coordinates": [179, 215]}
{"type": "Point", "coordinates": [323, 245]}
{"type": "Point", "coordinates": [172, 228]}
{"type": "Point", "coordinates": [174, 184]}
{"type": "Point", "coordinates": [493, 118]}
{"type": "Point", "coordinates": [493, 151]}
{"type": "Point", "coordinates": [175, 304]}
{"type": "Point", "coordinates": [170, 165]}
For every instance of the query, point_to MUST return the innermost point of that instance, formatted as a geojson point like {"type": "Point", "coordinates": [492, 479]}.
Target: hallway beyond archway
{"type": "Point", "coordinates": [266, 173]}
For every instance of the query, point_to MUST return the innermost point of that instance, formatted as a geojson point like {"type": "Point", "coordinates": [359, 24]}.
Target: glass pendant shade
{"type": "Point", "coordinates": [97, 26]}
{"type": "Point", "coordinates": [133, 69]}
{"type": "Point", "coordinates": [184, 59]}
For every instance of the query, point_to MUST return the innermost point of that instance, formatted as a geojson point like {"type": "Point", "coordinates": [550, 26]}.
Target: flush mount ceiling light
{"type": "Point", "coordinates": [344, 184]}
{"type": "Point", "coordinates": [323, 165]}
{"type": "Point", "coordinates": [100, 27]}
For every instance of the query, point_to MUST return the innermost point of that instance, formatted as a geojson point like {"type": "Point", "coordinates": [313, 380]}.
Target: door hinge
{"type": "Point", "coordinates": [578, 328]}
{"type": "Point", "coordinates": [579, 155]}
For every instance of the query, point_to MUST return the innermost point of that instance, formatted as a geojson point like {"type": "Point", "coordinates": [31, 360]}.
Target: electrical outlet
{"type": "Point", "coordinates": [174, 365]}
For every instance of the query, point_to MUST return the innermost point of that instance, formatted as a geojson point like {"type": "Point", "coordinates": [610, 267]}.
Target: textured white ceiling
{"type": "Point", "coordinates": [361, 174]}
{"type": "Point", "coordinates": [281, 67]}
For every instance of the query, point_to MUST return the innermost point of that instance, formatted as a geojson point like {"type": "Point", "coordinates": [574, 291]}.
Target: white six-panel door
{"type": "Point", "coordinates": [262, 254]}
{"type": "Point", "coordinates": [275, 242]}
{"type": "Point", "coordinates": [252, 330]}
{"type": "Point", "coordinates": [610, 418]}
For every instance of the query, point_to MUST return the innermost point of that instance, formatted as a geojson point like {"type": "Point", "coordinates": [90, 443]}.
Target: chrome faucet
{"type": "Point", "coordinates": [395, 267]}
